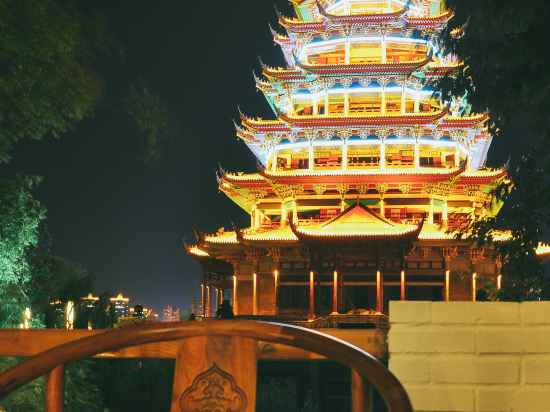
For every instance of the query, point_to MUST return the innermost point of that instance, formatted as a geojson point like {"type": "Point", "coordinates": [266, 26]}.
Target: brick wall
{"type": "Point", "coordinates": [478, 357]}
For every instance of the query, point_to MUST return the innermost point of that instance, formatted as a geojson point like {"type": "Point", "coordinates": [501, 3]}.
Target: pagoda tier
{"type": "Point", "coordinates": [353, 89]}
{"type": "Point", "coordinates": [397, 21]}
{"type": "Point", "coordinates": [446, 197]}
{"type": "Point", "coordinates": [357, 224]}
{"type": "Point", "coordinates": [366, 174]}
{"type": "Point", "coordinates": [301, 142]}
{"type": "Point", "coordinates": [399, 35]}
{"type": "Point", "coordinates": [379, 11]}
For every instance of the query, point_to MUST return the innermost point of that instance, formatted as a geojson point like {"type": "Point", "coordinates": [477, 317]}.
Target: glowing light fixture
{"type": "Point", "coordinates": [69, 315]}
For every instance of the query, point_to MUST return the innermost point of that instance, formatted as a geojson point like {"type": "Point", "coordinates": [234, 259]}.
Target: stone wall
{"type": "Point", "coordinates": [478, 357]}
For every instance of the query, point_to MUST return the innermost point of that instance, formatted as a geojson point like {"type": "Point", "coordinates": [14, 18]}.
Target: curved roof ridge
{"type": "Point", "coordinates": [352, 208]}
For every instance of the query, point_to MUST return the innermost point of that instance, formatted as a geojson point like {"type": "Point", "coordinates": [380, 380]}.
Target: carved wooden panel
{"type": "Point", "coordinates": [213, 391]}
{"type": "Point", "coordinates": [215, 374]}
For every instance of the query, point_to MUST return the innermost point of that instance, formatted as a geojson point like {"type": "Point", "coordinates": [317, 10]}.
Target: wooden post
{"type": "Point", "coordinates": [345, 155]}
{"type": "Point", "coordinates": [474, 287]}
{"type": "Point", "coordinates": [335, 293]}
{"type": "Point", "coordinates": [403, 286]}
{"type": "Point", "coordinates": [227, 364]}
{"type": "Point", "coordinates": [347, 57]}
{"type": "Point", "coordinates": [341, 293]}
{"type": "Point", "coordinates": [235, 300]}
{"type": "Point", "coordinates": [447, 285]}
{"type": "Point", "coordinates": [445, 213]}
{"type": "Point", "coordinates": [383, 47]}
{"type": "Point", "coordinates": [379, 292]}
{"type": "Point", "coordinates": [203, 300]}
{"type": "Point", "coordinates": [55, 390]}
{"type": "Point", "coordinates": [276, 282]}
{"type": "Point", "coordinates": [284, 215]}
{"type": "Point", "coordinates": [431, 212]}
{"type": "Point", "coordinates": [216, 300]}
{"type": "Point", "coordinates": [403, 99]}
{"type": "Point", "coordinates": [361, 394]}
{"type": "Point", "coordinates": [311, 295]}
{"type": "Point", "coordinates": [255, 294]}
{"type": "Point", "coordinates": [208, 302]}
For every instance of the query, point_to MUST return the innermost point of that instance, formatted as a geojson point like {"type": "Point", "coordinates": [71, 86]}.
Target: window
{"type": "Point", "coordinates": [363, 156]}
{"type": "Point", "coordinates": [328, 157]}
{"type": "Point", "coordinates": [399, 155]}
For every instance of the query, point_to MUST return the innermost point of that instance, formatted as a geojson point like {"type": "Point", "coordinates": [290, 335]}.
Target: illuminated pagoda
{"type": "Point", "coordinates": [365, 173]}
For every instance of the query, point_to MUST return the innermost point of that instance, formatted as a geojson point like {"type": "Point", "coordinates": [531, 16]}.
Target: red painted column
{"type": "Point", "coordinates": [311, 295]}
{"type": "Point", "coordinates": [335, 293]}
{"type": "Point", "coordinates": [403, 285]}
{"type": "Point", "coordinates": [379, 292]}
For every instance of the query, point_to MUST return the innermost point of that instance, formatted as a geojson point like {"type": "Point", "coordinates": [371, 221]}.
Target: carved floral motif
{"type": "Point", "coordinates": [213, 391]}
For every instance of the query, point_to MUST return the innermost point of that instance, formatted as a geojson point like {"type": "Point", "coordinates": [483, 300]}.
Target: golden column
{"type": "Point", "coordinates": [379, 292]}
{"type": "Point", "coordinates": [403, 285]}
{"type": "Point", "coordinates": [208, 302]}
{"type": "Point", "coordinates": [311, 295]}
{"type": "Point", "coordinates": [235, 299]}
{"type": "Point", "coordinates": [447, 285]}
{"type": "Point", "coordinates": [255, 294]}
{"type": "Point", "coordinates": [276, 284]}
{"type": "Point", "coordinates": [275, 254]}
{"type": "Point", "coordinates": [203, 300]}
{"type": "Point", "coordinates": [335, 292]}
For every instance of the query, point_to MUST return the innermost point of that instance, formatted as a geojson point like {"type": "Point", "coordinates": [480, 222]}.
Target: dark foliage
{"type": "Point", "coordinates": [504, 48]}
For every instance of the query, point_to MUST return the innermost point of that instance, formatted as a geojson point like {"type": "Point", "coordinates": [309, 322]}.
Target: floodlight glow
{"type": "Point", "coordinates": [292, 145]}
{"type": "Point", "coordinates": [69, 315]}
{"type": "Point", "coordinates": [357, 90]}
{"type": "Point", "coordinates": [437, 143]}
{"type": "Point", "coordinates": [324, 45]}
{"type": "Point", "coordinates": [364, 142]}
{"type": "Point", "coordinates": [400, 141]}
{"type": "Point", "coordinates": [387, 142]}
{"type": "Point", "coordinates": [343, 2]}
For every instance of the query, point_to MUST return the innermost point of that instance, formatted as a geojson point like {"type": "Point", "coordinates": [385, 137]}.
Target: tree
{"type": "Point", "coordinates": [20, 217]}
{"type": "Point", "coordinates": [29, 279]}
{"type": "Point", "coordinates": [47, 77]}
{"type": "Point", "coordinates": [522, 270]}
{"type": "Point", "coordinates": [149, 117]}
{"type": "Point", "coordinates": [53, 278]}
{"type": "Point", "coordinates": [505, 73]}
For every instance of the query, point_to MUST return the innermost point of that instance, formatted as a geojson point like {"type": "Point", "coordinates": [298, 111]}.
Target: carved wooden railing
{"type": "Point", "coordinates": [216, 361]}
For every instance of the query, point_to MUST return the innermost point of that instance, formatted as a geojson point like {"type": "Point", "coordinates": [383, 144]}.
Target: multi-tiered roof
{"type": "Point", "coordinates": [357, 119]}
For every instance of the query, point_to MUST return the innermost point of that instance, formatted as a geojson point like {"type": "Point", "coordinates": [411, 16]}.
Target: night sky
{"type": "Point", "coordinates": [123, 221]}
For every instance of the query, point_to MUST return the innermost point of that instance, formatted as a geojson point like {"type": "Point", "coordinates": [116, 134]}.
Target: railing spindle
{"type": "Point", "coordinates": [55, 390]}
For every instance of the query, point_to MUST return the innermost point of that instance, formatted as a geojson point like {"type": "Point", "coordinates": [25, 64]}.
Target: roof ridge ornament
{"type": "Point", "coordinates": [241, 114]}
{"type": "Point", "coordinates": [262, 64]}
{"type": "Point", "coordinates": [277, 11]}
{"type": "Point", "coordinates": [274, 32]}
{"type": "Point", "coordinates": [322, 11]}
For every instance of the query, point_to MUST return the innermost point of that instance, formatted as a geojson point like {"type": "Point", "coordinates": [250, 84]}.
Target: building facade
{"type": "Point", "coordinates": [120, 306]}
{"type": "Point", "coordinates": [366, 174]}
